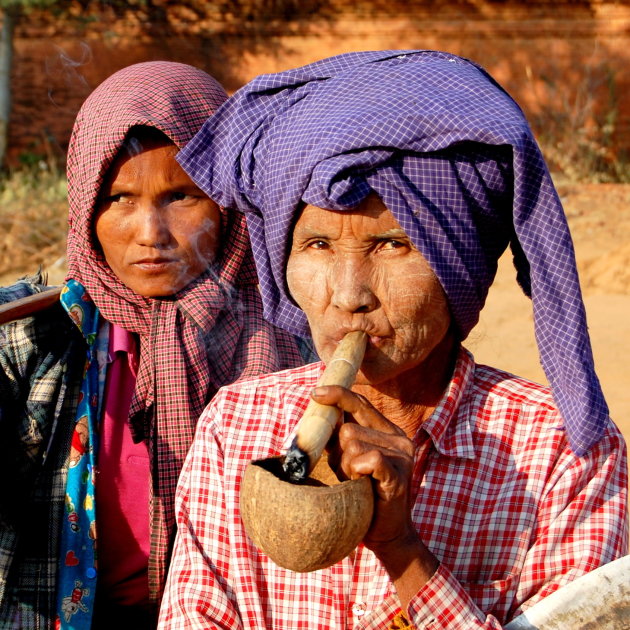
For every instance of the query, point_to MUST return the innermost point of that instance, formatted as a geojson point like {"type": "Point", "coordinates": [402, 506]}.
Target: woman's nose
{"type": "Point", "coordinates": [351, 286]}
{"type": "Point", "coordinates": [152, 228]}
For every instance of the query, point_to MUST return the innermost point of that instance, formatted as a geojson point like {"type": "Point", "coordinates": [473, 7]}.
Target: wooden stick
{"type": "Point", "coordinates": [319, 421]}
{"type": "Point", "coordinates": [29, 305]}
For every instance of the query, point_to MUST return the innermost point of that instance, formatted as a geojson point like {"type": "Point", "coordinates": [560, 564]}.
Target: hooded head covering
{"type": "Point", "coordinates": [210, 333]}
{"type": "Point", "coordinates": [452, 157]}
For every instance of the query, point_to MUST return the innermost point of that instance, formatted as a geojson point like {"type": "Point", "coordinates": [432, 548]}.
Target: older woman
{"type": "Point", "coordinates": [99, 396]}
{"type": "Point", "coordinates": [380, 190]}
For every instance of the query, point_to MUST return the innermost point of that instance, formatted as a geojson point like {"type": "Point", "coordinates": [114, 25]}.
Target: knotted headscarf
{"type": "Point", "coordinates": [210, 333]}
{"type": "Point", "coordinates": [452, 157]}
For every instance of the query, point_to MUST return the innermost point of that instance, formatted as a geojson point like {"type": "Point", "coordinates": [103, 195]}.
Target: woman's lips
{"type": "Point", "coordinates": [376, 341]}
{"type": "Point", "coordinates": [154, 264]}
{"type": "Point", "coordinates": [373, 340]}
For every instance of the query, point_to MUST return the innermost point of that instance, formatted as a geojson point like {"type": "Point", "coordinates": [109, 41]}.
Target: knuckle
{"type": "Point", "coordinates": [348, 431]}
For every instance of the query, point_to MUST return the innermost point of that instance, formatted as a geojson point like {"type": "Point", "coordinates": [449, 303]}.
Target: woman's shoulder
{"type": "Point", "coordinates": [293, 378]}
{"type": "Point", "coordinates": [260, 411]}
{"type": "Point", "coordinates": [500, 384]}
{"type": "Point", "coordinates": [530, 407]}
{"type": "Point", "coordinates": [49, 331]}
{"type": "Point", "coordinates": [264, 396]}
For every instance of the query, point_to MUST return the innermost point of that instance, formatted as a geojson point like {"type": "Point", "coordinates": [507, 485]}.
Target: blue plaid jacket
{"type": "Point", "coordinates": [40, 375]}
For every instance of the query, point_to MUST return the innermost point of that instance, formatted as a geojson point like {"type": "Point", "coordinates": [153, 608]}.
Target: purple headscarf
{"type": "Point", "coordinates": [449, 153]}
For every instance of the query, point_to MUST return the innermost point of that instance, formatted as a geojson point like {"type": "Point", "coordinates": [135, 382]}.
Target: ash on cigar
{"type": "Point", "coordinates": [295, 464]}
{"type": "Point", "coordinates": [276, 466]}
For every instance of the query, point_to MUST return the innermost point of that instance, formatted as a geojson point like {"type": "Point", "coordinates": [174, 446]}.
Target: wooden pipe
{"type": "Point", "coordinates": [304, 526]}
{"type": "Point", "coordinates": [310, 525]}
{"type": "Point", "coordinates": [319, 421]}
{"type": "Point", "coordinates": [29, 305]}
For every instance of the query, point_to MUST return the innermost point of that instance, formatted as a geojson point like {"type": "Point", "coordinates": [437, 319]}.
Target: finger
{"type": "Point", "coordinates": [386, 454]}
{"type": "Point", "coordinates": [351, 433]}
{"type": "Point", "coordinates": [356, 405]}
{"type": "Point", "coordinates": [389, 470]}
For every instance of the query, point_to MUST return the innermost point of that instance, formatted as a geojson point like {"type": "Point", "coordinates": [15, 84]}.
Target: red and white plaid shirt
{"type": "Point", "coordinates": [508, 509]}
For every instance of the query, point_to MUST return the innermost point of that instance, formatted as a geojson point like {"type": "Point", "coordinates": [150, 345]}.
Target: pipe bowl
{"type": "Point", "coordinates": [304, 526]}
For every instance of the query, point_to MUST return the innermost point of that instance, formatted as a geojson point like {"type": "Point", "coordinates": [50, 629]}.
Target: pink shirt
{"type": "Point", "coordinates": [122, 489]}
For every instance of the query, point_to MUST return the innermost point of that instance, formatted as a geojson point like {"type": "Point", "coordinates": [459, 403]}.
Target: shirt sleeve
{"type": "Point", "coordinates": [582, 524]}
{"type": "Point", "coordinates": [195, 596]}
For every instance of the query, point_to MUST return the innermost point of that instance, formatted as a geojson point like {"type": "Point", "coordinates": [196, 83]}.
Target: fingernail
{"type": "Point", "coordinates": [319, 391]}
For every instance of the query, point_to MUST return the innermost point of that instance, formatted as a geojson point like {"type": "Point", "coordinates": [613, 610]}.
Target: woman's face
{"type": "Point", "coordinates": [157, 229]}
{"type": "Point", "coordinates": [358, 270]}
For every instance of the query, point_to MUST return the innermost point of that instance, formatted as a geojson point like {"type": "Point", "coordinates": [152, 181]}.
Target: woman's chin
{"type": "Point", "coordinates": [156, 285]}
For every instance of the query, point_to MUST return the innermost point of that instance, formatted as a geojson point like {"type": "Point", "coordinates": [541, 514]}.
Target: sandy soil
{"type": "Point", "coordinates": [599, 217]}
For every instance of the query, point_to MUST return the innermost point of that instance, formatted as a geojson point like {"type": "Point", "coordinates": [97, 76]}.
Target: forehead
{"type": "Point", "coordinates": [145, 158]}
{"type": "Point", "coordinates": [370, 217]}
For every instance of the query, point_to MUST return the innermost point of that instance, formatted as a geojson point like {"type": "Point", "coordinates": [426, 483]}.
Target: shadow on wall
{"type": "Point", "coordinates": [564, 62]}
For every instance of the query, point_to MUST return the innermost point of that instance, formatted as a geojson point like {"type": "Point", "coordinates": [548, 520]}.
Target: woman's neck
{"type": "Point", "coordinates": [410, 398]}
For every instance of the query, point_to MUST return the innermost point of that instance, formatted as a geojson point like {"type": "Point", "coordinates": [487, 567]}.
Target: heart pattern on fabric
{"type": "Point", "coordinates": [71, 559]}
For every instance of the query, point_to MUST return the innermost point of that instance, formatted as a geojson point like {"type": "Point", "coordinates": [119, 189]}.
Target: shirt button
{"type": "Point", "coordinates": [358, 609]}
{"type": "Point", "coordinates": [90, 573]}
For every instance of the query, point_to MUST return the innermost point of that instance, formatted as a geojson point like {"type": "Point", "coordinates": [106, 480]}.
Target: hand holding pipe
{"type": "Point", "coordinates": [319, 421]}
{"type": "Point", "coordinates": [311, 525]}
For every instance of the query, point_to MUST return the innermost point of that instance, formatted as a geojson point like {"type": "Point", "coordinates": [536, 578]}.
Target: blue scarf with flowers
{"type": "Point", "coordinates": [78, 563]}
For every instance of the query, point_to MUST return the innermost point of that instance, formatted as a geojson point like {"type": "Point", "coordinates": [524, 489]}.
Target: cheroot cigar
{"type": "Point", "coordinates": [319, 421]}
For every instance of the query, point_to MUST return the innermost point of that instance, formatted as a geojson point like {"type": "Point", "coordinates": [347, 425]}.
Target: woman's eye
{"type": "Point", "coordinates": [176, 197]}
{"type": "Point", "coordinates": [392, 243]}
{"type": "Point", "coordinates": [318, 244]}
{"type": "Point", "coordinates": [118, 198]}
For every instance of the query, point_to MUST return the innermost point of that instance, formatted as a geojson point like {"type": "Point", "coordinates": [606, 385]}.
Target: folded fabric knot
{"type": "Point", "coordinates": [451, 156]}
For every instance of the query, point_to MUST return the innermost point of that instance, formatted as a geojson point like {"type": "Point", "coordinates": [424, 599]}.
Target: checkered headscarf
{"type": "Point", "coordinates": [212, 332]}
{"type": "Point", "coordinates": [453, 158]}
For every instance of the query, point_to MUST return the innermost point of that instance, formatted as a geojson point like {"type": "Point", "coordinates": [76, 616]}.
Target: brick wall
{"type": "Point", "coordinates": [565, 62]}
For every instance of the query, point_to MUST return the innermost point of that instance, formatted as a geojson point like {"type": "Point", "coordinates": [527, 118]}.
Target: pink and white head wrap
{"type": "Point", "coordinates": [209, 334]}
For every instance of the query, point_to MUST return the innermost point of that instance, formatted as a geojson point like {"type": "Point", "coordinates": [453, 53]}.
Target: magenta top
{"type": "Point", "coordinates": [123, 484]}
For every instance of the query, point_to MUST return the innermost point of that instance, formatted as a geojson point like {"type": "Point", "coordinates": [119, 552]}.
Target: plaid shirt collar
{"type": "Point", "coordinates": [449, 426]}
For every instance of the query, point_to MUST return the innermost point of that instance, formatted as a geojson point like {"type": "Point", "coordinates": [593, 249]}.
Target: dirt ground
{"type": "Point", "coordinates": [599, 217]}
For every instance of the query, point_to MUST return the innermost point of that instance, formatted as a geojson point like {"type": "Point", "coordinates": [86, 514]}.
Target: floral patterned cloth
{"type": "Point", "coordinates": [78, 561]}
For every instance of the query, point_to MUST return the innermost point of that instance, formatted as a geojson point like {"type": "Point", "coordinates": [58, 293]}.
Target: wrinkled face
{"type": "Point", "coordinates": [157, 229]}
{"type": "Point", "coordinates": [359, 271]}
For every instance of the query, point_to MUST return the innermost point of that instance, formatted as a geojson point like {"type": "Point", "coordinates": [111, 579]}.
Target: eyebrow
{"type": "Point", "coordinates": [315, 232]}
{"type": "Point", "coordinates": [393, 233]}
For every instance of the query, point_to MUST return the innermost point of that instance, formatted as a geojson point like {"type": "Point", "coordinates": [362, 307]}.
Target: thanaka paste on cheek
{"type": "Point", "coordinates": [157, 230]}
